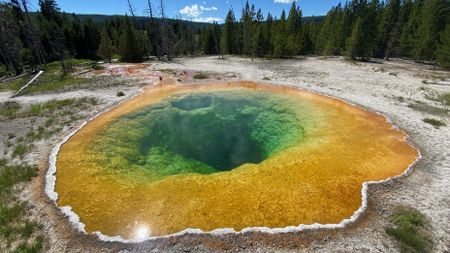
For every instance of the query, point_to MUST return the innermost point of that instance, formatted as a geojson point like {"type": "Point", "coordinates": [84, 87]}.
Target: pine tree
{"type": "Point", "coordinates": [105, 49]}
{"type": "Point", "coordinates": [293, 30]}
{"type": "Point", "coordinates": [413, 11]}
{"type": "Point", "coordinates": [228, 41]}
{"type": "Point", "coordinates": [432, 21]}
{"type": "Point", "coordinates": [268, 36]}
{"type": "Point", "coordinates": [49, 9]}
{"type": "Point", "coordinates": [129, 47]}
{"type": "Point", "coordinates": [10, 44]}
{"type": "Point", "coordinates": [248, 31]}
{"type": "Point", "coordinates": [279, 37]}
{"type": "Point", "coordinates": [360, 44]}
{"type": "Point", "coordinates": [389, 19]}
{"type": "Point", "coordinates": [330, 41]}
{"type": "Point", "coordinates": [90, 40]}
{"type": "Point", "coordinates": [443, 51]}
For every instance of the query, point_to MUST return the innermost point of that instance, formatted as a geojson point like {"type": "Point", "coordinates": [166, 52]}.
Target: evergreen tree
{"type": "Point", "coordinates": [268, 37]}
{"type": "Point", "coordinates": [330, 41]}
{"type": "Point", "coordinates": [412, 11]}
{"type": "Point", "coordinates": [433, 18]}
{"type": "Point", "coordinates": [279, 37]}
{"type": "Point", "coordinates": [90, 40]}
{"type": "Point", "coordinates": [129, 47]}
{"type": "Point", "coordinates": [49, 9]}
{"type": "Point", "coordinates": [228, 41]}
{"type": "Point", "coordinates": [360, 43]}
{"type": "Point", "coordinates": [248, 31]}
{"type": "Point", "coordinates": [443, 51]}
{"type": "Point", "coordinates": [105, 50]}
{"type": "Point", "coordinates": [389, 19]}
{"type": "Point", "coordinates": [293, 30]}
{"type": "Point", "coordinates": [10, 44]}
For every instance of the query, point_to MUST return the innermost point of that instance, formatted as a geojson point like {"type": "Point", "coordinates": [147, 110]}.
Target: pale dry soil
{"type": "Point", "coordinates": [387, 87]}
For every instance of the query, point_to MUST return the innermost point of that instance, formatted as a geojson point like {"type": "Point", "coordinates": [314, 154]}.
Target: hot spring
{"type": "Point", "coordinates": [231, 155]}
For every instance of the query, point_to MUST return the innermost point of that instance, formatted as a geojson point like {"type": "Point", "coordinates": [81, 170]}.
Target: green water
{"type": "Point", "coordinates": [200, 133]}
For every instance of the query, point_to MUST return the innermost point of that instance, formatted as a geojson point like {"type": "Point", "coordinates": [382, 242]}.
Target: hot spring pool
{"type": "Point", "coordinates": [231, 155]}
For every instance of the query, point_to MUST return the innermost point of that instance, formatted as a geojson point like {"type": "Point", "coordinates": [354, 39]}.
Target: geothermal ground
{"type": "Point", "coordinates": [404, 91]}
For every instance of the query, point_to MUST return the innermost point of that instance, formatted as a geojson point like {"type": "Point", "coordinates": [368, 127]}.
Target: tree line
{"type": "Point", "coordinates": [359, 29]}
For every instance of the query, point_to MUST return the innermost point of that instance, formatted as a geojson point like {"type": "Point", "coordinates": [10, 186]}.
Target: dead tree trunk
{"type": "Point", "coordinates": [36, 46]}
{"type": "Point", "coordinates": [154, 32]}
{"type": "Point", "coordinates": [164, 38]}
{"type": "Point", "coordinates": [131, 8]}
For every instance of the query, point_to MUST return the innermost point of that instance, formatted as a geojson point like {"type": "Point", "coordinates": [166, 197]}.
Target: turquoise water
{"type": "Point", "coordinates": [200, 133]}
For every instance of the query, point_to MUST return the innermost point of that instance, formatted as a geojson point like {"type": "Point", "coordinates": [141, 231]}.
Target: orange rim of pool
{"type": "Point", "coordinates": [231, 155]}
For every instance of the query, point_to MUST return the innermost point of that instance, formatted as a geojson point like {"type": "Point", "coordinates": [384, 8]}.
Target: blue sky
{"type": "Point", "coordinates": [198, 10]}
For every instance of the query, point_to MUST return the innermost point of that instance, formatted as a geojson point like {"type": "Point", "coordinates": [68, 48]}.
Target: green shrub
{"type": "Point", "coordinates": [9, 109]}
{"type": "Point", "coordinates": [97, 67]}
{"type": "Point", "coordinates": [435, 122]}
{"type": "Point", "coordinates": [407, 230]}
{"type": "Point", "coordinates": [28, 228]}
{"type": "Point", "coordinates": [9, 214]}
{"type": "Point", "coordinates": [3, 70]}
{"type": "Point", "coordinates": [445, 99]}
{"type": "Point", "coordinates": [34, 247]}
{"type": "Point", "coordinates": [11, 175]}
{"type": "Point", "coordinates": [20, 150]}
{"type": "Point", "coordinates": [201, 76]}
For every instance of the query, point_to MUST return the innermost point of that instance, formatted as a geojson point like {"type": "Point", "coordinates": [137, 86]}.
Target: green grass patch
{"type": "Point", "coordinates": [434, 122]}
{"type": "Point", "coordinates": [9, 109]}
{"type": "Point", "coordinates": [36, 246]}
{"type": "Point", "coordinates": [17, 232]}
{"type": "Point", "coordinates": [445, 99]}
{"type": "Point", "coordinates": [407, 229]}
{"type": "Point", "coordinates": [11, 175]}
{"type": "Point", "coordinates": [201, 76]}
{"type": "Point", "coordinates": [21, 149]}
{"type": "Point", "coordinates": [10, 213]}
{"type": "Point", "coordinates": [15, 85]}
{"type": "Point", "coordinates": [423, 107]}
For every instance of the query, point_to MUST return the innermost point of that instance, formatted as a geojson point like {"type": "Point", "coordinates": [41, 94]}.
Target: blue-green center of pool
{"type": "Point", "coordinates": [201, 133]}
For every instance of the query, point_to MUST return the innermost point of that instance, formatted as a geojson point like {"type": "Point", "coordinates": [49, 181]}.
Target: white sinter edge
{"type": "Point", "coordinates": [75, 219]}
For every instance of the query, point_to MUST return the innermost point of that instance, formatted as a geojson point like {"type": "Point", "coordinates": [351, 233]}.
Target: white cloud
{"type": "Point", "coordinates": [213, 8]}
{"type": "Point", "coordinates": [284, 1]}
{"type": "Point", "coordinates": [207, 19]}
{"type": "Point", "coordinates": [195, 10]}
{"type": "Point", "coordinates": [192, 11]}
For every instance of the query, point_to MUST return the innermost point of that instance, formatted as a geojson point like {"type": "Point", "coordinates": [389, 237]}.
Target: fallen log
{"type": "Point", "coordinates": [29, 83]}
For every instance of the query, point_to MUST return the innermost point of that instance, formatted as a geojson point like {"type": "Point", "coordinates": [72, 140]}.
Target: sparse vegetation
{"type": "Point", "coordinates": [445, 99]}
{"type": "Point", "coordinates": [21, 149]}
{"type": "Point", "coordinates": [17, 230]}
{"type": "Point", "coordinates": [9, 109]}
{"type": "Point", "coordinates": [201, 75]}
{"type": "Point", "coordinates": [423, 107]}
{"type": "Point", "coordinates": [12, 109]}
{"type": "Point", "coordinates": [97, 67]}
{"type": "Point", "coordinates": [408, 229]}
{"type": "Point", "coordinates": [435, 122]}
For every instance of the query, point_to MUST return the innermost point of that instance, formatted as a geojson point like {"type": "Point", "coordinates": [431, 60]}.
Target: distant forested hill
{"type": "Point", "coordinates": [99, 18]}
